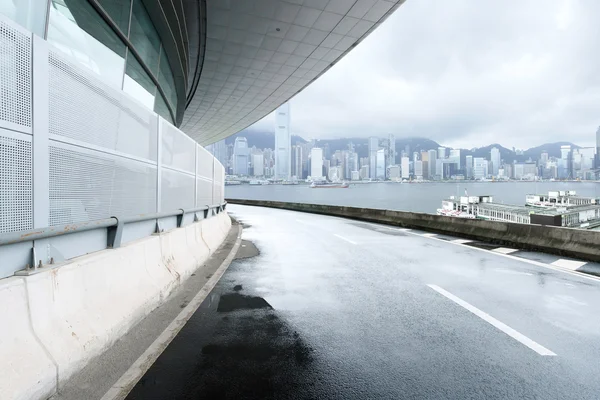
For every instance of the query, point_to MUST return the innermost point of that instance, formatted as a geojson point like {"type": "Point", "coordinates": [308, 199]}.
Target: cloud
{"type": "Point", "coordinates": [465, 73]}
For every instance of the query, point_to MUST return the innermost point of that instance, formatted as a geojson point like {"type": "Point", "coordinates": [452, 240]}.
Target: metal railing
{"type": "Point", "coordinates": [114, 227]}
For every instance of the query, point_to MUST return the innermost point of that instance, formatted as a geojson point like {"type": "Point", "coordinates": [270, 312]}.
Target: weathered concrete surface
{"type": "Point", "coordinates": [576, 243]}
{"type": "Point", "coordinates": [59, 319]}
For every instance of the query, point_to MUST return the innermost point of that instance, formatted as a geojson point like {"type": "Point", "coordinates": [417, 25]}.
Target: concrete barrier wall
{"type": "Point", "coordinates": [578, 243]}
{"type": "Point", "coordinates": [54, 322]}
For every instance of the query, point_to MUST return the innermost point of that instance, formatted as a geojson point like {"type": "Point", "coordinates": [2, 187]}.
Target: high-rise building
{"type": "Point", "coordinates": [258, 162]}
{"type": "Point", "coordinates": [373, 147]}
{"type": "Point", "coordinates": [419, 169]}
{"type": "Point", "coordinates": [297, 161]}
{"type": "Point", "coordinates": [469, 167]}
{"type": "Point", "coordinates": [380, 164]}
{"type": "Point", "coordinates": [425, 164]}
{"type": "Point", "coordinates": [439, 168]}
{"type": "Point", "coordinates": [441, 152]}
{"type": "Point", "coordinates": [543, 158]}
{"type": "Point", "coordinates": [282, 142]}
{"type": "Point", "coordinates": [394, 172]}
{"type": "Point", "coordinates": [480, 168]}
{"type": "Point", "coordinates": [316, 163]}
{"type": "Point", "coordinates": [431, 157]}
{"type": "Point", "coordinates": [405, 168]}
{"type": "Point", "coordinates": [455, 157]}
{"type": "Point", "coordinates": [240, 156]}
{"type": "Point", "coordinates": [364, 172]}
{"type": "Point", "coordinates": [391, 150]}
{"type": "Point", "coordinates": [495, 159]}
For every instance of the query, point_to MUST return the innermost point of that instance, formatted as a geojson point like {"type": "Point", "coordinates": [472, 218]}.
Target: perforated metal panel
{"type": "Point", "coordinates": [177, 190]}
{"type": "Point", "coordinates": [87, 185]}
{"type": "Point", "coordinates": [16, 198]}
{"type": "Point", "coordinates": [84, 108]}
{"type": "Point", "coordinates": [178, 149]}
{"type": "Point", "coordinates": [15, 76]}
{"type": "Point", "coordinates": [204, 163]}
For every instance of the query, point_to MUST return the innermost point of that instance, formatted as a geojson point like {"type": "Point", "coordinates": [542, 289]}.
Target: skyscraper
{"type": "Point", "coordinates": [297, 164]}
{"type": "Point", "coordinates": [240, 156]}
{"type": "Point", "coordinates": [282, 142]}
{"type": "Point", "coordinates": [431, 157]}
{"type": "Point", "coordinates": [380, 164]}
{"type": "Point", "coordinates": [425, 162]}
{"type": "Point", "coordinates": [469, 167]}
{"type": "Point", "coordinates": [219, 151]}
{"type": "Point", "coordinates": [316, 163]}
{"type": "Point", "coordinates": [373, 147]}
{"type": "Point", "coordinates": [404, 170]}
{"type": "Point", "coordinates": [441, 152]}
{"type": "Point", "coordinates": [258, 162]}
{"type": "Point", "coordinates": [455, 157]}
{"type": "Point", "coordinates": [391, 150]}
{"type": "Point", "coordinates": [480, 168]}
{"type": "Point", "coordinates": [495, 158]}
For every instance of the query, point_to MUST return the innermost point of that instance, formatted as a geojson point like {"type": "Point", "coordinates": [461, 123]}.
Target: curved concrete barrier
{"type": "Point", "coordinates": [577, 243]}
{"type": "Point", "coordinates": [57, 320]}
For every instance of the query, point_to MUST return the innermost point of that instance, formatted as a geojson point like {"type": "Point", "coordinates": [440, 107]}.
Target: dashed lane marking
{"type": "Point", "coordinates": [569, 264]}
{"type": "Point", "coordinates": [504, 250]}
{"type": "Point", "coordinates": [343, 238]}
{"type": "Point", "coordinates": [461, 241]}
{"type": "Point", "coordinates": [428, 234]}
{"type": "Point", "coordinates": [538, 348]}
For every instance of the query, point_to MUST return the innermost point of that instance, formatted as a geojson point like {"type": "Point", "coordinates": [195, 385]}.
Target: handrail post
{"type": "Point", "coordinates": [114, 234]}
{"type": "Point", "coordinates": [180, 218]}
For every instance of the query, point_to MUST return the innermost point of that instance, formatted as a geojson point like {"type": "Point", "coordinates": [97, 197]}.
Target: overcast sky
{"type": "Point", "coordinates": [465, 73]}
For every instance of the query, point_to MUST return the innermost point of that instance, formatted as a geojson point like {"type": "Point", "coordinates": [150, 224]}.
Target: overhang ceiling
{"type": "Point", "coordinates": [261, 53]}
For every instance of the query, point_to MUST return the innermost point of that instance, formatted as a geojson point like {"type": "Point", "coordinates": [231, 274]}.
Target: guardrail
{"type": "Point", "coordinates": [113, 227]}
{"type": "Point", "coordinates": [577, 243]}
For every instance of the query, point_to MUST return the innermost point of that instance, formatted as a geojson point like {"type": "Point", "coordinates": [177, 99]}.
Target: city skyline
{"type": "Point", "coordinates": [315, 162]}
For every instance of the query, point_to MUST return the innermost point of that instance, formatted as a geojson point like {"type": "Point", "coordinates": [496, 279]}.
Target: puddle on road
{"type": "Point", "coordinates": [235, 301]}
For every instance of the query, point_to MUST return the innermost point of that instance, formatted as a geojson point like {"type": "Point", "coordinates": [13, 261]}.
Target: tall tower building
{"type": "Point", "coordinates": [495, 159]}
{"type": "Point", "coordinates": [283, 141]}
{"type": "Point", "coordinates": [391, 150]}
{"type": "Point", "coordinates": [240, 156]}
{"type": "Point", "coordinates": [316, 163]}
{"type": "Point", "coordinates": [373, 147]}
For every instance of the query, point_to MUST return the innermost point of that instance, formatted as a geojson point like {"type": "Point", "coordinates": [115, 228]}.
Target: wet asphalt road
{"type": "Point", "coordinates": [339, 309]}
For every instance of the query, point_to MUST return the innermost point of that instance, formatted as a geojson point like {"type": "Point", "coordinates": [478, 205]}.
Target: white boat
{"type": "Point", "coordinates": [341, 185]}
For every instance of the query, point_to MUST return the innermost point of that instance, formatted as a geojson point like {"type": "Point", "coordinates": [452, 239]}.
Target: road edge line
{"type": "Point", "coordinates": [121, 388]}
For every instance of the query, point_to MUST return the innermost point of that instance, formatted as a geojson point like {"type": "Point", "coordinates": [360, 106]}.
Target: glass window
{"type": "Point", "coordinates": [31, 14]}
{"type": "Point", "coordinates": [161, 108]}
{"type": "Point", "coordinates": [78, 30]}
{"type": "Point", "coordinates": [118, 10]}
{"type": "Point", "coordinates": [143, 36]}
{"type": "Point", "coordinates": [137, 83]}
{"type": "Point", "coordinates": [165, 80]}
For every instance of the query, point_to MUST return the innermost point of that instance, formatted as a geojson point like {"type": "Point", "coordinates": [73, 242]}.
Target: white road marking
{"type": "Point", "coordinates": [343, 238]}
{"type": "Point", "coordinates": [569, 264]}
{"type": "Point", "coordinates": [399, 229]}
{"type": "Point", "coordinates": [512, 272]}
{"type": "Point", "coordinates": [504, 250]}
{"type": "Point", "coordinates": [538, 348]}
{"type": "Point", "coordinates": [429, 234]}
{"type": "Point", "coordinates": [461, 241]}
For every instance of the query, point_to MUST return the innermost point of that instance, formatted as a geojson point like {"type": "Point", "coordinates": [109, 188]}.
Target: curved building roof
{"type": "Point", "coordinates": [258, 54]}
